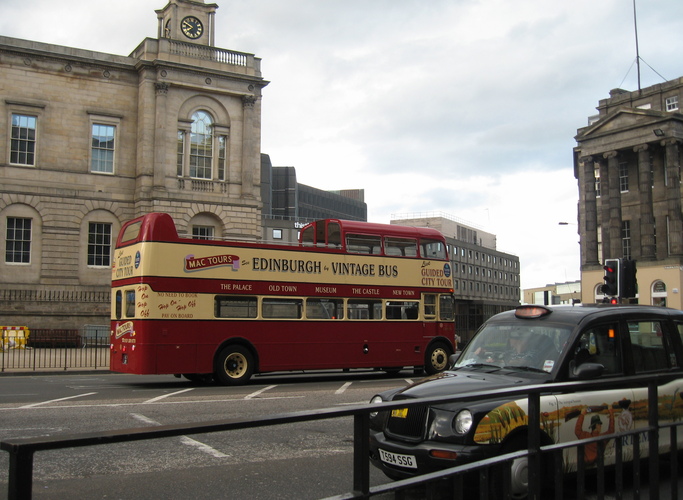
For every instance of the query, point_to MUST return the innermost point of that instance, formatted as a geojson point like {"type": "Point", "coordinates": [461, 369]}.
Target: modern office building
{"type": "Point", "coordinates": [627, 162]}
{"type": "Point", "coordinates": [554, 294]}
{"type": "Point", "coordinates": [288, 205]}
{"type": "Point", "coordinates": [485, 280]}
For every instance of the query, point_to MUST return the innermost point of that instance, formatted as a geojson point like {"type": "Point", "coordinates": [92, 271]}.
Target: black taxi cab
{"type": "Point", "coordinates": [534, 345]}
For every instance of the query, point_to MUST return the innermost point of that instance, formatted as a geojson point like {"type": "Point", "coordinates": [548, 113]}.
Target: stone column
{"type": "Point", "coordinates": [249, 149]}
{"type": "Point", "coordinates": [588, 214]}
{"type": "Point", "coordinates": [613, 220]}
{"type": "Point", "coordinates": [673, 195]}
{"type": "Point", "coordinates": [160, 136]}
{"type": "Point", "coordinates": [648, 248]}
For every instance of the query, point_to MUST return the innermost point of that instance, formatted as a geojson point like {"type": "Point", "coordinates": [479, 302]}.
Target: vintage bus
{"type": "Point", "coordinates": [348, 295]}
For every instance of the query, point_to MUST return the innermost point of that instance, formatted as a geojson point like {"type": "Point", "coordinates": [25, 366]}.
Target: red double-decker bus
{"type": "Point", "coordinates": [349, 295]}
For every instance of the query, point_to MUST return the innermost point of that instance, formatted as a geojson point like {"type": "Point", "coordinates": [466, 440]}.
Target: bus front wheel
{"type": "Point", "coordinates": [234, 365]}
{"type": "Point", "coordinates": [436, 358]}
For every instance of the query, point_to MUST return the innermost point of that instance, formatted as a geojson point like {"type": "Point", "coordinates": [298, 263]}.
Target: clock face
{"type": "Point", "coordinates": [192, 27]}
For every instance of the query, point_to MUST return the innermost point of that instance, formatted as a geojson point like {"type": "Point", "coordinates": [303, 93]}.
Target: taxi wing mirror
{"type": "Point", "coordinates": [452, 359]}
{"type": "Point", "coordinates": [587, 371]}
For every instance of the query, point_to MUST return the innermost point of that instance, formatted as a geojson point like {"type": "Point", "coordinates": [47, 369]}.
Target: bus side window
{"type": "Point", "coordinates": [130, 303]}
{"type": "Point", "coordinates": [364, 309]}
{"type": "Point", "coordinates": [363, 243]}
{"type": "Point", "coordinates": [432, 249]}
{"type": "Point", "coordinates": [119, 305]}
{"type": "Point", "coordinates": [446, 308]}
{"type": "Point", "coordinates": [282, 308]}
{"type": "Point", "coordinates": [308, 236]}
{"type": "Point", "coordinates": [333, 235]}
{"type": "Point", "coordinates": [324, 308]}
{"type": "Point", "coordinates": [430, 305]}
{"type": "Point", "coordinates": [235, 307]}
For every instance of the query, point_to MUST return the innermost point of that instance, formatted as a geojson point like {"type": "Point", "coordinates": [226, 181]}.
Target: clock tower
{"type": "Point", "coordinates": [188, 21]}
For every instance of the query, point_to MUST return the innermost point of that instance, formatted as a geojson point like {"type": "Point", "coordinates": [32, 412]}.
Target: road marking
{"type": "Point", "coordinates": [260, 391]}
{"type": "Point", "coordinates": [343, 388]}
{"type": "Point", "coordinates": [408, 380]}
{"type": "Point", "coordinates": [33, 405]}
{"type": "Point", "coordinates": [203, 447]}
{"type": "Point", "coordinates": [164, 396]}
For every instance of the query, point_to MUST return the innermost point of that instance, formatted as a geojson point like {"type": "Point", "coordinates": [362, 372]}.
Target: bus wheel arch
{"type": "Point", "coordinates": [235, 362]}
{"type": "Point", "coordinates": [436, 356]}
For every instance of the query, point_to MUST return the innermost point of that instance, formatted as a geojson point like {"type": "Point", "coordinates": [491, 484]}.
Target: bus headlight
{"type": "Point", "coordinates": [462, 423]}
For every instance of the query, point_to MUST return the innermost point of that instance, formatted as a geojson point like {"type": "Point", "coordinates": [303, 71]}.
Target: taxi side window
{"type": "Point", "coordinates": [648, 346]}
{"type": "Point", "coordinates": [600, 345]}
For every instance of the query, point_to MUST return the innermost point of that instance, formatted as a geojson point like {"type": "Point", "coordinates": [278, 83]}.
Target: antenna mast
{"type": "Point", "coordinates": [635, 26]}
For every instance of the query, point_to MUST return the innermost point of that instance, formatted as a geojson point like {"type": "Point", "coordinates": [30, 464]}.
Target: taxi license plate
{"type": "Point", "coordinates": [397, 459]}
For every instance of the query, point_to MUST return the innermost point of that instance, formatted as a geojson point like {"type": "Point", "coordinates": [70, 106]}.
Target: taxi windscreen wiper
{"type": "Point", "coordinates": [525, 368]}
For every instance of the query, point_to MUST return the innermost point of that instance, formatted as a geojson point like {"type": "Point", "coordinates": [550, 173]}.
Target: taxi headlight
{"type": "Point", "coordinates": [375, 400]}
{"type": "Point", "coordinates": [462, 423]}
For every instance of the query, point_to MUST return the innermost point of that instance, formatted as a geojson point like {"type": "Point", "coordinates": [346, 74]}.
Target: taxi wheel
{"type": "Point", "coordinates": [234, 365]}
{"type": "Point", "coordinates": [436, 359]}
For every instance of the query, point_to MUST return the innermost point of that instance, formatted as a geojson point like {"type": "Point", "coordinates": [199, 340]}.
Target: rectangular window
{"type": "Point", "coordinates": [430, 249]}
{"type": "Point", "coordinates": [402, 309]}
{"type": "Point", "coordinates": [363, 243]}
{"type": "Point", "coordinates": [235, 307]}
{"type": "Point", "coordinates": [102, 148]}
{"type": "Point", "coordinates": [222, 153]}
{"type": "Point", "coordinates": [447, 307]}
{"type": "Point", "coordinates": [202, 232]}
{"type": "Point", "coordinates": [282, 308]}
{"type": "Point", "coordinates": [99, 244]}
{"type": "Point", "coordinates": [23, 144]}
{"type": "Point", "coordinates": [649, 353]}
{"type": "Point", "coordinates": [672, 103]}
{"type": "Point", "coordinates": [324, 308]}
{"type": "Point", "coordinates": [596, 173]}
{"type": "Point", "coordinates": [180, 153]}
{"type": "Point", "coordinates": [626, 238]}
{"type": "Point", "coordinates": [430, 304]}
{"type": "Point", "coordinates": [130, 303]}
{"type": "Point", "coordinates": [623, 177]}
{"type": "Point", "coordinates": [18, 241]}
{"type": "Point", "coordinates": [201, 156]}
{"type": "Point", "coordinates": [403, 247]}
{"type": "Point", "coordinates": [277, 234]}
{"type": "Point", "coordinates": [364, 309]}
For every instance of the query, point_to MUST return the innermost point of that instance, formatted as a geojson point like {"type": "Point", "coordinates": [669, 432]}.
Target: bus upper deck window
{"type": "Point", "coordinates": [432, 249]}
{"type": "Point", "coordinates": [130, 303]}
{"type": "Point", "coordinates": [119, 305]}
{"type": "Point", "coordinates": [308, 236]}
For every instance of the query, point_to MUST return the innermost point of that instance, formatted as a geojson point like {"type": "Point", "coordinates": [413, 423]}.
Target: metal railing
{"type": "Point", "coordinates": [58, 349]}
{"type": "Point", "coordinates": [22, 451]}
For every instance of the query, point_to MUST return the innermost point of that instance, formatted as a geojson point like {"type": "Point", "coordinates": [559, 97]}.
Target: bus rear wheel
{"type": "Point", "coordinates": [234, 365]}
{"type": "Point", "coordinates": [436, 358]}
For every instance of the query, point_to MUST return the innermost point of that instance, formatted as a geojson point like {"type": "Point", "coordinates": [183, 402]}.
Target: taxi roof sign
{"type": "Point", "coordinates": [531, 312]}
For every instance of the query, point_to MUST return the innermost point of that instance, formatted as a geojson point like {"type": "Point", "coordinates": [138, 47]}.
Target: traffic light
{"type": "Point", "coordinates": [612, 269]}
{"type": "Point", "coordinates": [628, 281]}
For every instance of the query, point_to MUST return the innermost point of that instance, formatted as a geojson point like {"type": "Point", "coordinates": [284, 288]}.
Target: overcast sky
{"type": "Point", "coordinates": [464, 107]}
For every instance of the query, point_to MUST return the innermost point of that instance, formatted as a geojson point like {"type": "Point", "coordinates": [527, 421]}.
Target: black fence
{"type": "Point", "coordinates": [55, 349]}
{"type": "Point", "coordinates": [22, 451]}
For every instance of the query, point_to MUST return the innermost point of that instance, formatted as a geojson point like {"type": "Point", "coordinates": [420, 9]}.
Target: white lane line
{"type": "Point", "coordinates": [33, 405]}
{"type": "Point", "coordinates": [205, 448]}
{"type": "Point", "coordinates": [159, 398]}
{"type": "Point", "coordinates": [202, 447]}
{"type": "Point", "coordinates": [408, 380]}
{"type": "Point", "coordinates": [343, 388]}
{"type": "Point", "coordinates": [259, 392]}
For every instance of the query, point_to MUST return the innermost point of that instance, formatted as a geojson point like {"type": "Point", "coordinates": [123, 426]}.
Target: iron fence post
{"type": "Point", "coordinates": [361, 454]}
{"type": "Point", "coordinates": [20, 478]}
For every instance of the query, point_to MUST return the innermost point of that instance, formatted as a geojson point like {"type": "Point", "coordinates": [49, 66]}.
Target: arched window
{"type": "Point", "coordinates": [207, 154]}
{"type": "Point", "coordinates": [201, 145]}
{"type": "Point", "coordinates": [659, 293]}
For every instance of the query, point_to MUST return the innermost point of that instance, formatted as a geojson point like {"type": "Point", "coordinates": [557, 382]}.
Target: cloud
{"type": "Point", "coordinates": [465, 107]}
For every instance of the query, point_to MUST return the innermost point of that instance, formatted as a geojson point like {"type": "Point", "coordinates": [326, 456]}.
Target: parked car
{"type": "Point", "coordinates": [535, 345]}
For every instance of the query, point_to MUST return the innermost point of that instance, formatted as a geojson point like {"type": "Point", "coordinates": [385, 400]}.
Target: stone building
{"type": "Point", "coordinates": [485, 280]}
{"type": "Point", "coordinates": [627, 163]}
{"type": "Point", "coordinates": [89, 140]}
